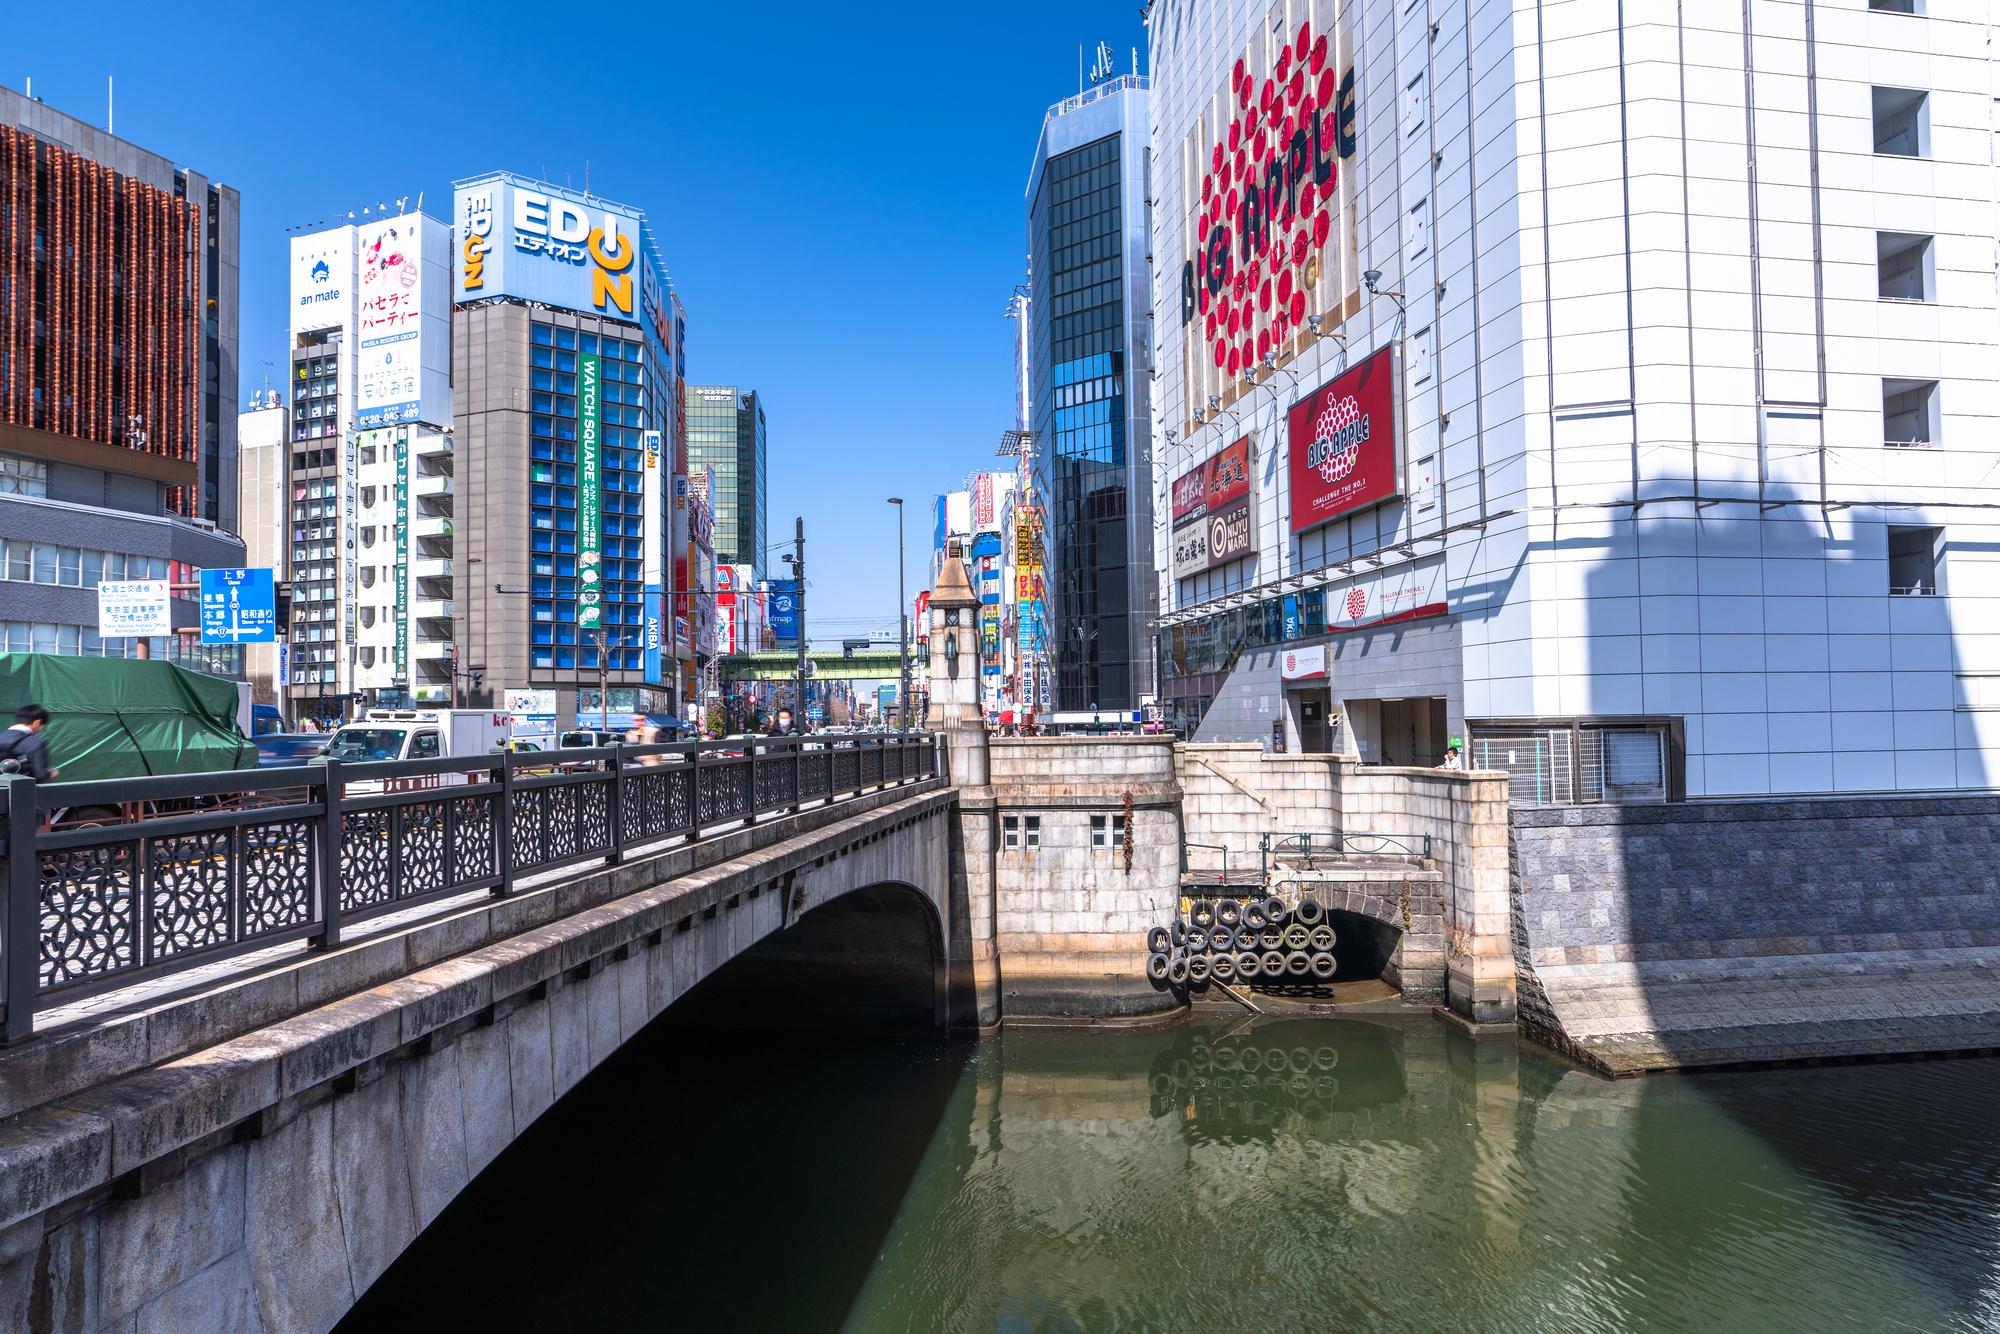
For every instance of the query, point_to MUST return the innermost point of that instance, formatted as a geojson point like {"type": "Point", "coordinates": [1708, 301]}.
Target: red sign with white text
{"type": "Point", "coordinates": [1343, 444]}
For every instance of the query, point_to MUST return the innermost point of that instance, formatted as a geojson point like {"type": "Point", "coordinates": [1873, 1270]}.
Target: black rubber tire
{"type": "Point", "coordinates": [1179, 933]}
{"type": "Point", "coordinates": [1222, 967]}
{"type": "Point", "coordinates": [1298, 965]}
{"type": "Point", "coordinates": [1273, 963]}
{"type": "Point", "coordinates": [1198, 969]}
{"type": "Point", "coordinates": [1271, 938]}
{"type": "Point", "coordinates": [1326, 1058]}
{"type": "Point", "coordinates": [1297, 937]}
{"type": "Point", "coordinates": [1159, 940]}
{"type": "Point", "coordinates": [1275, 911]}
{"type": "Point", "coordinates": [1197, 941]}
{"type": "Point", "coordinates": [1323, 938]}
{"type": "Point", "coordinates": [1202, 914]}
{"type": "Point", "coordinates": [1156, 967]}
{"type": "Point", "coordinates": [1324, 966]}
{"type": "Point", "coordinates": [1177, 970]}
{"type": "Point", "coordinates": [1229, 913]}
{"type": "Point", "coordinates": [1248, 966]}
{"type": "Point", "coordinates": [1221, 940]}
{"type": "Point", "coordinates": [1309, 912]}
{"type": "Point", "coordinates": [1253, 916]}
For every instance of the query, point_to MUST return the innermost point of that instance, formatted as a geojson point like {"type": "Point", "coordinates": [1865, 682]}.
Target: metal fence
{"type": "Point", "coordinates": [275, 855]}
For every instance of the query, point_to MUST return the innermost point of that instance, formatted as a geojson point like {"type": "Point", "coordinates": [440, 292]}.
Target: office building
{"type": "Point", "coordinates": [369, 549]}
{"type": "Point", "coordinates": [1089, 351]}
{"type": "Point", "coordinates": [572, 444]}
{"type": "Point", "coordinates": [264, 453]}
{"type": "Point", "coordinates": [118, 289]}
{"type": "Point", "coordinates": [726, 436]}
{"type": "Point", "coordinates": [1617, 399]}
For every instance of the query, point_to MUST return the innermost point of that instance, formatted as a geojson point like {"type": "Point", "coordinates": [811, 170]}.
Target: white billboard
{"type": "Point", "coordinates": [402, 322]}
{"type": "Point", "coordinates": [137, 608]}
{"type": "Point", "coordinates": [323, 280]}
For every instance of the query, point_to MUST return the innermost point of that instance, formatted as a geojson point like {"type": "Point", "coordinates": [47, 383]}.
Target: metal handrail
{"type": "Point", "coordinates": [296, 856]}
{"type": "Point", "coordinates": [1341, 845]}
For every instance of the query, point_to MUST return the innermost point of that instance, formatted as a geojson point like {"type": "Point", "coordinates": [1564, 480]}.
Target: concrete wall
{"type": "Point", "coordinates": [261, 1183]}
{"type": "Point", "coordinates": [1711, 926]}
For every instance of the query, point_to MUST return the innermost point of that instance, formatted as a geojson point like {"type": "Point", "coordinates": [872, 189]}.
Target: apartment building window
{"type": "Point", "coordinates": [1584, 761]}
{"type": "Point", "coordinates": [316, 378]}
{"type": "Point", "coordinates": [1099, 831]}
{"type": "Point", "coordinates": [1913, 560]}
{"type": "Point", "coordinates": [1904, 268]}
{"type": "Point", "coordinates": [1909, 413]}
{"type": "Point", "coordinates": [23, 477]}
{"type": "Point", "coordinates": [1902, 122]}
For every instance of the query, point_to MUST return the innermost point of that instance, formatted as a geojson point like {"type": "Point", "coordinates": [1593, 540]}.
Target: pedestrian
{"type": "Point", "coordinates": [22, 749]}
{"type": "Point", "coordinates": [784, 722]}
{"type": "Point", "coordinates": [1452, 759]}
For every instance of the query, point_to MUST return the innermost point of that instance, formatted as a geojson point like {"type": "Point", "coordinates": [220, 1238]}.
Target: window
{"type": "Point", "coordinates": [1909, 412]}
{"type": "Point", "coordinates": [1895, 6]}
{"type": "Point", "coordinates": [1904, 268]}
{"type": "Point", "coordinates": [1583, 761]}
{"type": "Point", "coordinates": [1902, 122]}
{"type": "Point", "coordinates": [1010, 832]}
{"type": "Point", "coordinates": [1098, 827]}
{"type": "Point", "coordinates": [425, 746]}
{"type": "Point", "coordinates": [1913, 560]}
{"type": "Point", "coordinates": [23, 477]}
{"type": "Point", "coordinates": [1031, 832]}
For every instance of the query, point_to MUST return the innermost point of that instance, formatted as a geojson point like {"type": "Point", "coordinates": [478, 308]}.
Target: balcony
{"type": "Point", "coordinates": [431, 609]}
{"type": "Point", "coordinates": [423, 525]}
{"type": "Point", "coordinates": [432, 484]}
{"type": "Point", "coordinates": [431, 568]}
{"type": "Point", "coordinates": [434, 447]}
{"type": "Point", "coordinates": [429, 650]}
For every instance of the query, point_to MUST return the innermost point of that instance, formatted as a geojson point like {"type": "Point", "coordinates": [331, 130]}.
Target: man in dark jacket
{"type": "Point", "coordinates": [23, 743]}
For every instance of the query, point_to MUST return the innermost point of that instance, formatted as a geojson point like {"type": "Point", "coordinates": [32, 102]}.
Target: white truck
{"type": "Point", "coordinates": [418, 734]}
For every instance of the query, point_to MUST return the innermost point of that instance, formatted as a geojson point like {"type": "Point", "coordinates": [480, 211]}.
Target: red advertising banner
{"type": "Point", "coordinates": [1343, 444]}
{"type": "Point", "coordinates": [1214, 512]}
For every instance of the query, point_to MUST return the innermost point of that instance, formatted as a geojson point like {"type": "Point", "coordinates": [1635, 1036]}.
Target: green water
{"type": "Point", "coordinates": [1271, 1175]}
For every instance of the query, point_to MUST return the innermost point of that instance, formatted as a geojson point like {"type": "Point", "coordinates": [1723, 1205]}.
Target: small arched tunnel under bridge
{"type": "Point", "coordinates": [871, 960]}
{"type": "Point", "coordinates": [1389, 921]}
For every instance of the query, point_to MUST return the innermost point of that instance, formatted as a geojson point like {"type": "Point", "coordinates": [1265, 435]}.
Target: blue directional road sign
{"type": "Point", "coordinates": [238, 607]}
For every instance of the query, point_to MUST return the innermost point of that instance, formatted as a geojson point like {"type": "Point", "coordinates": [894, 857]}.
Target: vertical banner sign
{"type": "Point", "coordinates": [655, 552]}
{"type": "Point", "coordinates": [590, 596]}
{"type": "Point", "coordinates": [403, 559]}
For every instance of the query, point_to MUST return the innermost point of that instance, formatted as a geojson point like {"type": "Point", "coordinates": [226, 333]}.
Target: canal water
{"type": "Point", "coordinates": [1276, 1174]}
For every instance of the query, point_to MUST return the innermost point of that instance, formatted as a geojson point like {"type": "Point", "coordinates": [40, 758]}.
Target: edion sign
{"type": "Point", "coordinates": [1343, 444]}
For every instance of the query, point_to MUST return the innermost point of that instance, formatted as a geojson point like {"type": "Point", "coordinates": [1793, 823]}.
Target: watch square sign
{"type": "Point", "coordinates": [1215, 515]}
{"type": "Point", "coordinates": [1343, 444]}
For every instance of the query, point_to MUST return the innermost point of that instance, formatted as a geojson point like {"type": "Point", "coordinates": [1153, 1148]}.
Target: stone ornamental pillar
{"type": "Point", "coordinates": [955, 711]}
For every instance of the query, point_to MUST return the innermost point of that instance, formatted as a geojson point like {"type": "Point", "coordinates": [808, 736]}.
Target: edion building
{"type": "Point", "coordinates": [1657, 458]}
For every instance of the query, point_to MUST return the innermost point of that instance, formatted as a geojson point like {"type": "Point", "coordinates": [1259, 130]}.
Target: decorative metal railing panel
{"type": "Point", "coordinates": [200, 867]}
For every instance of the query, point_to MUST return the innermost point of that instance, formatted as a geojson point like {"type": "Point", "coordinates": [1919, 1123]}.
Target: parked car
{"type": "Point", "coordinates": [276, 749]}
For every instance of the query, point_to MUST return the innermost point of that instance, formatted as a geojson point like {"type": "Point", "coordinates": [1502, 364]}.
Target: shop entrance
{"type": "Point", "coordinates": [1413, 732]}
{"type": "Point", "coordinates": [1315, 722]}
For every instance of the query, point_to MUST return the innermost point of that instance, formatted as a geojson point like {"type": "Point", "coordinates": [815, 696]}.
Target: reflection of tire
{"type": "Point", "coordinates": [1254, 916]}
{"type": "Point", "coordinates": [1250, 1059]}
{"type": "Point", "coordinates": [1300, 1061]}
{"type": "Point", "coordinates": [1323, 938]}
{"type": "Point", "coordinates": [1197, 969]}
{"type": "Point", "coordinates": [1229, 912]}
{"type": "Point", "coordinates": [1271, 938]}
{"type": "Point", "coordinates": [1324, 966]}
{"type": "Point", "coordinates": [1300, 1086]}
{"type": "Point", "coordinates": [1297, 937]}
{"type": "Point", "coordinates": [1248, 965]}
{"type": "Point", "coordinates": [1156, 967]}
{"type": "Point", "coordinates": [1225, 1058]}
{"type": "Point", "coordinates": [1273, 963]}
{"type": "Point", "coordinates": [1177, 969]}
{"type": "Point", "coordinates": [1312, 1111]}
{"type": "Point", "coordinates": [1298, 965]}
{"type": "Point", "coordinates": [1159, 940]}
{"type": "Point", "coordinates": [1222, 967]}
{"type": "Point", "coordinates": [1326, 1058]}
{"type": "Point", "coordinates": [1162, 1084]}
{"type": "Point", "coordinates": [1327, 1086]}
{"type": "Point", "coordinates": [1202, 914]}
{"type": "Point", "coordinates": [1197, 941]}
{"type": "Point", "coordinates": [1309, 912]}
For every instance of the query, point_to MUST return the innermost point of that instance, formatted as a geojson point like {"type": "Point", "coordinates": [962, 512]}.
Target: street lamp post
{"type": "Point", "coordinates": [902, 628]}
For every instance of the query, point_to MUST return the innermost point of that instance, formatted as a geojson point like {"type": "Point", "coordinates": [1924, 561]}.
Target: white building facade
{"type": "Point", "coordinates": [1656, 458]}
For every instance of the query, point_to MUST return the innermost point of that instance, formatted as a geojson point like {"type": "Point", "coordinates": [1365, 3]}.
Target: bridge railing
{"type": "Point", "coordinates": [227, 863]}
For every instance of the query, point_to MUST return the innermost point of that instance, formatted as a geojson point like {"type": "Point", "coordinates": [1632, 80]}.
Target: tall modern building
{"type": "Point", "coordinates": [370, 485]}
{"type": "Point", "coordinates": [568, 365]}
{"type": "Point", "coordinates": [264, 452]}
{"type": "Point", "coordinates": [118, 292]}
{"type": "Point", "coordinates": [1090, 393]}
{"type": "Point", "coordinates": [1615, 393]}
{"type": "Point", "coordinates": [726, 436]}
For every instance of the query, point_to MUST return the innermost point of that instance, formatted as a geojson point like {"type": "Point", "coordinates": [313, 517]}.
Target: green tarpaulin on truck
{"type": "Point", "coordinates": [126, 717]}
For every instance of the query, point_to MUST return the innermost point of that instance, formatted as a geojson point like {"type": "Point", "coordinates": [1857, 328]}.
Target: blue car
{"type": "Point", "coordinates": [285, 748]}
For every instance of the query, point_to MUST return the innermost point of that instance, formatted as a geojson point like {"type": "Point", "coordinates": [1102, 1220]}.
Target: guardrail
{"type": "Point", "coordinates": [1340, 845]}
{"type": "Point", "coordinates": [303, 851]}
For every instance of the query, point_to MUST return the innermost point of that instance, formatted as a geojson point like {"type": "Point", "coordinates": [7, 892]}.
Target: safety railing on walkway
{"type": "Point", "coordinates": [1309, 846]}
{"type": "Point", "coordinates": [246, 859]}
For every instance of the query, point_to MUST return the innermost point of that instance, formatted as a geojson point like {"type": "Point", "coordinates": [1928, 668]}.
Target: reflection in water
{"type": "Point", "coordinates": [1269, 1174]}
{"type": "Point", "coordinates": [1357, 1175]}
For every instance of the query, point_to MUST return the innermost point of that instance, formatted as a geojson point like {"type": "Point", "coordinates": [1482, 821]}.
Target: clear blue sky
{"type": "Point", "coordinates": [836, 191]}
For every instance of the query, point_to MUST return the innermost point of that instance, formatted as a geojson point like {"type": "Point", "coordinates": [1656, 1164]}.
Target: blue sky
{"type": "Point", "coordinates": [835, 189]}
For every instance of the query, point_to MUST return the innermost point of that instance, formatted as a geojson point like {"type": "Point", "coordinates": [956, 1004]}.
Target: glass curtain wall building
{"type": "Point", "coordinates": [1086, 232]}
{"type": "Point", "coordinates": [726, 437]}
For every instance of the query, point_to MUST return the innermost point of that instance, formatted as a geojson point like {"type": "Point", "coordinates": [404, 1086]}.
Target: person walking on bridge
{"type": "Point", "coordinates": [22, 749]}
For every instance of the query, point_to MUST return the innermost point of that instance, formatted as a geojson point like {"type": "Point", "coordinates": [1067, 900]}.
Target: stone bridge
{"type": "Point", "coordinates": [251, 1154]}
